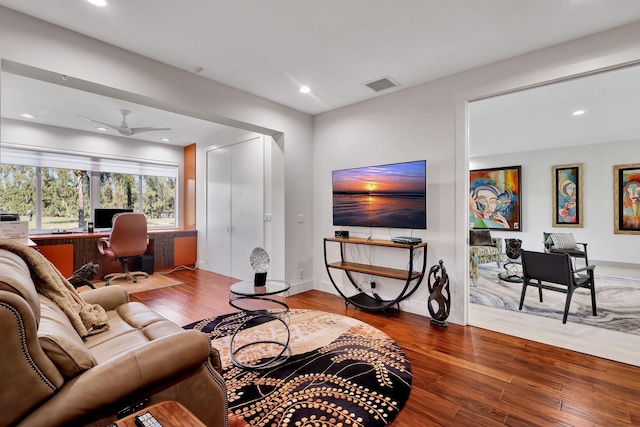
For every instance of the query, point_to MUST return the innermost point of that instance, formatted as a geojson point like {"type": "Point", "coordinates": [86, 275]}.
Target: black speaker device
{"type": "Point", "coordinates": [342, 233]}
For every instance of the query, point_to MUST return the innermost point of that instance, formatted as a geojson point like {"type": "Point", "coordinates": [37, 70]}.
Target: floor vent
{"type": "Point", "coordinates": [382, 84]}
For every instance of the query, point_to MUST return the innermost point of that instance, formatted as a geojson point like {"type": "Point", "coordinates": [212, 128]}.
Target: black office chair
{"type": "Point", "coordinates": [567, 245]}
{"type": "Point", "coordinates": [555, 272]}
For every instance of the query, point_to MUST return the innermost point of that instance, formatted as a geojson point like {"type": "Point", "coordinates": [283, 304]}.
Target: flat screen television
{"type": "Point", "coordinates": [102, 218]}
{"type": "Point", "coordinates": [390, 196]}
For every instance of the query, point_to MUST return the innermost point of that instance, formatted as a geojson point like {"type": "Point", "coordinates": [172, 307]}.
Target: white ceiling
{"type": "Point", "coordinates": [542, 117]}
{"type": "Point", "coordinates": [60, 106]}
{"type": "Point", "coordinates": [271, 47]}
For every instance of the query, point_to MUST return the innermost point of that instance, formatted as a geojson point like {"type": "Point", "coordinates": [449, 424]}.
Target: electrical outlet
{"type": "Point", "coordinates": [300, 274]}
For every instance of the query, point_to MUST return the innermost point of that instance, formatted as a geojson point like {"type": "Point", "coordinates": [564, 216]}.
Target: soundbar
{"type": "Point", "coordinates": [406, 240]}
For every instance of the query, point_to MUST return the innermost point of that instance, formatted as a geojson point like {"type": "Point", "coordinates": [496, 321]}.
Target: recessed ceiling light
{"type": "Point", "coordinates": [103, 129]}
{"type": "Point", "coordinates": [27, 116]}
{"type": "Point", "coordinates": [98, 2]}
{"type": "Point", "coordinates": [305, 89]}
{"type": "Point", "coordinates": [578, 112]}
{"type": "Point", "coordinates": [165, 140]}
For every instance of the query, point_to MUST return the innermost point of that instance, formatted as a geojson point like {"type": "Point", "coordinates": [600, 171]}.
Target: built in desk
{"type": "Point", "coordinates": [70, 251]}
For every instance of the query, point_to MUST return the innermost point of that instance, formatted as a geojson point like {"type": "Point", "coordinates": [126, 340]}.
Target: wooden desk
{"type": "Point", "coordinates": [68, 252]}
{"type": "Point", "coordinates": [169, 414]}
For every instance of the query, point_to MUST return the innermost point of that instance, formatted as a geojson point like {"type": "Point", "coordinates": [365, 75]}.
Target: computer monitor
{"type": "Point", "coordinates": [102, 217]}
{"type": "Point", "coordinates": [6, 216]}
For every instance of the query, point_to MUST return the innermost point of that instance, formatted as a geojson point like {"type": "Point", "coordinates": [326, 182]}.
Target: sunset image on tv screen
{"type": "Point", "coordinates": [391, 196]}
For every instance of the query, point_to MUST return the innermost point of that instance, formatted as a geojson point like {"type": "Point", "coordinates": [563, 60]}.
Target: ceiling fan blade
{"type": "Point", "coordinates": [122, 131]}
{"type": "Point", "coordinates": [146, 129]}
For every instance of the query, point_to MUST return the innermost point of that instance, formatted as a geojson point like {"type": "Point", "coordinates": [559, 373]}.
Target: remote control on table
{"type": "Point", "coordinates": [147, 420]}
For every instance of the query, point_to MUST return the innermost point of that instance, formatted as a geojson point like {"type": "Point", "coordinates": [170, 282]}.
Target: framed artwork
{"type": "Point", "coordinates": [494, 198]}
{"type": "Point", "coordinates": [626, 199]}
{"type": "Point", "coordinates": [567, 195]}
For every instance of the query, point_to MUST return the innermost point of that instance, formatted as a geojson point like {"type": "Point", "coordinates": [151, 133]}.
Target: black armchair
{"type": "Point", "coordinates": [555, 272]}
{"type": "Point", "coordinates": [564, 243]}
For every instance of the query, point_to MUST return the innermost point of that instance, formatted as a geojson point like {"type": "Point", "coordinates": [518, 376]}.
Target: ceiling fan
{"type": "Point", "coordinates": [124, 129]}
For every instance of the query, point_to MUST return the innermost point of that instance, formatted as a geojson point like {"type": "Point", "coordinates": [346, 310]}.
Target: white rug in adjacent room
{"type": "Point", "coordinates": [617, 300]}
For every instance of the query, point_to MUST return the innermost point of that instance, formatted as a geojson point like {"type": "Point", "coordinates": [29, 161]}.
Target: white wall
{"type": "Point", "coordinates": [598, 161]}
{"type": "Point", "coordinates": [430, 122]}
{"type": "Point", "coordinates": [33, 42]}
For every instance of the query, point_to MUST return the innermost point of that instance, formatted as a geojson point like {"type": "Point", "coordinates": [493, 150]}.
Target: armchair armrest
{"type": "Point", "coordinates": [134, 373]}
{"type": "Point", "coordinates": [497, 241]}
{"type": "Point", "coordinates": [588, 267]}
{"type": "Point", "coordinates": [108, 297]}
{"type": "Point", "coordinates": [104, 242]}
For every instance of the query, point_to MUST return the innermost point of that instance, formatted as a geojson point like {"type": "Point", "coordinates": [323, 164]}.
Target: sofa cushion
{"type": "Point", "coordinates": [132, 325]}
{"type": "Point", "coordinates": [480, 238]}
{"type": "Point", "coordinates": [61, 342]}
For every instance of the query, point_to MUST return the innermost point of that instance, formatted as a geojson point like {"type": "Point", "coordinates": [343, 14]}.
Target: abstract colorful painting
{"type": "Point", "coordinates": [567, 195]}
{"type": "Point", "coordinates": [626, 203]}
{"type": "Point", "coordinates": [494, 198]}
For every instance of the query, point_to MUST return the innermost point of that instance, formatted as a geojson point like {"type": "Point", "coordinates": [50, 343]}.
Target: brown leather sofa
{"type": "Point", "coordinates": [49, 376]}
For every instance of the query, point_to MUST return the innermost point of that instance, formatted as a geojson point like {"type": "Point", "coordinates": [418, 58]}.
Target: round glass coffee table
{"type": "Point", "coordinates": [260, 304]}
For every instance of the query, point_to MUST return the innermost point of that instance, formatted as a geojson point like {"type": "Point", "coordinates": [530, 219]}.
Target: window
{"type": "Point", "coordinates": [18, 191]}
{"type": "Point", "coordinates": [64, 199]}
{"type": "Point", "coordinates": [49, 197]}
{"type": "Point", "coordinates": [158, 200]}
{"type": "Point", "coordinates": [119, 190]}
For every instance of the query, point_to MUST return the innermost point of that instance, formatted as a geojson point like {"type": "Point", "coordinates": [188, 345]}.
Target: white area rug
{"type": "Point", "coordinates": [617, 300]}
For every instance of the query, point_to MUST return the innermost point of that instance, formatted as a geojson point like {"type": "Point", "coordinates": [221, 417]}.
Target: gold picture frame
{"type": "Point", "coordinates": [626, 199]}
{"type": "Point", "coordinates": [567, 208]}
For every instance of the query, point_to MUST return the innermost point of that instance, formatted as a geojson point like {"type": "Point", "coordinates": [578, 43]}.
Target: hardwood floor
{"type": "Point", "coordinates": [462, 375]}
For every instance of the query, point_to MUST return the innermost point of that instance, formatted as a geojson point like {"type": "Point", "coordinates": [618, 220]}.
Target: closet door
{"type": "Point", "coordinates": [247, 205]}
{"type": "Point", "coordinates": [219, 211]}
{"type": "Point", "coordinates": [235, 207]}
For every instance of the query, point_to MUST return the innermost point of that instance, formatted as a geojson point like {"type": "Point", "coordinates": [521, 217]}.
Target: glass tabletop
{"type": "Point", "coordinates": [247, 288]}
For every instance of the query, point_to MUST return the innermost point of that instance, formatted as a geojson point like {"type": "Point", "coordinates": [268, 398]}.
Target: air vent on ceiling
{"type": "Point", "coordinates": [382, 84]}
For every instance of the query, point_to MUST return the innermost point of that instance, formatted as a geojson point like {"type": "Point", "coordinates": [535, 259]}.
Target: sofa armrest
{"type": "Point", "coordinates": [108, 297]}
{"type": "Point", "coordinates": [137, 372]}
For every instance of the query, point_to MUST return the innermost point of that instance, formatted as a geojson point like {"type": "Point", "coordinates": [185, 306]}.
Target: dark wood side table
{"type": "Point", "coordinates": [169, 414]}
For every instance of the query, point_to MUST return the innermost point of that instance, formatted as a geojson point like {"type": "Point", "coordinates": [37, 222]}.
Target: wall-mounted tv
{"type": "Point", "coordinates": [391, 196]}
{"type": "Point", "coordinates": [102, 218]}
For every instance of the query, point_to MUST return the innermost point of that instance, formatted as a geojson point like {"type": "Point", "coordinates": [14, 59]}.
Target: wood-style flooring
{"type": "Point", "coordinates": [462, 375]}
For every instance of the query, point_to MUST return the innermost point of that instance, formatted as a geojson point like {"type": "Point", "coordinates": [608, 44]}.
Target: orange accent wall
{"type": "Point", "coordinates": [189, 189]}
{"type": "Point", "coordinates": [61, 256]}
{"type": "Point", "coordinates": [185, 250]}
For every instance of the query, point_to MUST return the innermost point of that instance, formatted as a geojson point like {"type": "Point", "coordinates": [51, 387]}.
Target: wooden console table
{"type": "Point", "coordinates": [362, 299]}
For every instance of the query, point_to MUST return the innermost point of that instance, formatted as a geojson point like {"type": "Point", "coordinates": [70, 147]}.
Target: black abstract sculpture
{"type": "Point", "coordinates": [439, 302]}
{"type": "Point", "coordinates": [513, 268]}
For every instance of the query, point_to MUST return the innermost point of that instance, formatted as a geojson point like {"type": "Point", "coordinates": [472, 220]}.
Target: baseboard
{"type": "Point", "coordinates": [614, 264]}
{"type": "Point", "coordinates": [298, 288]}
